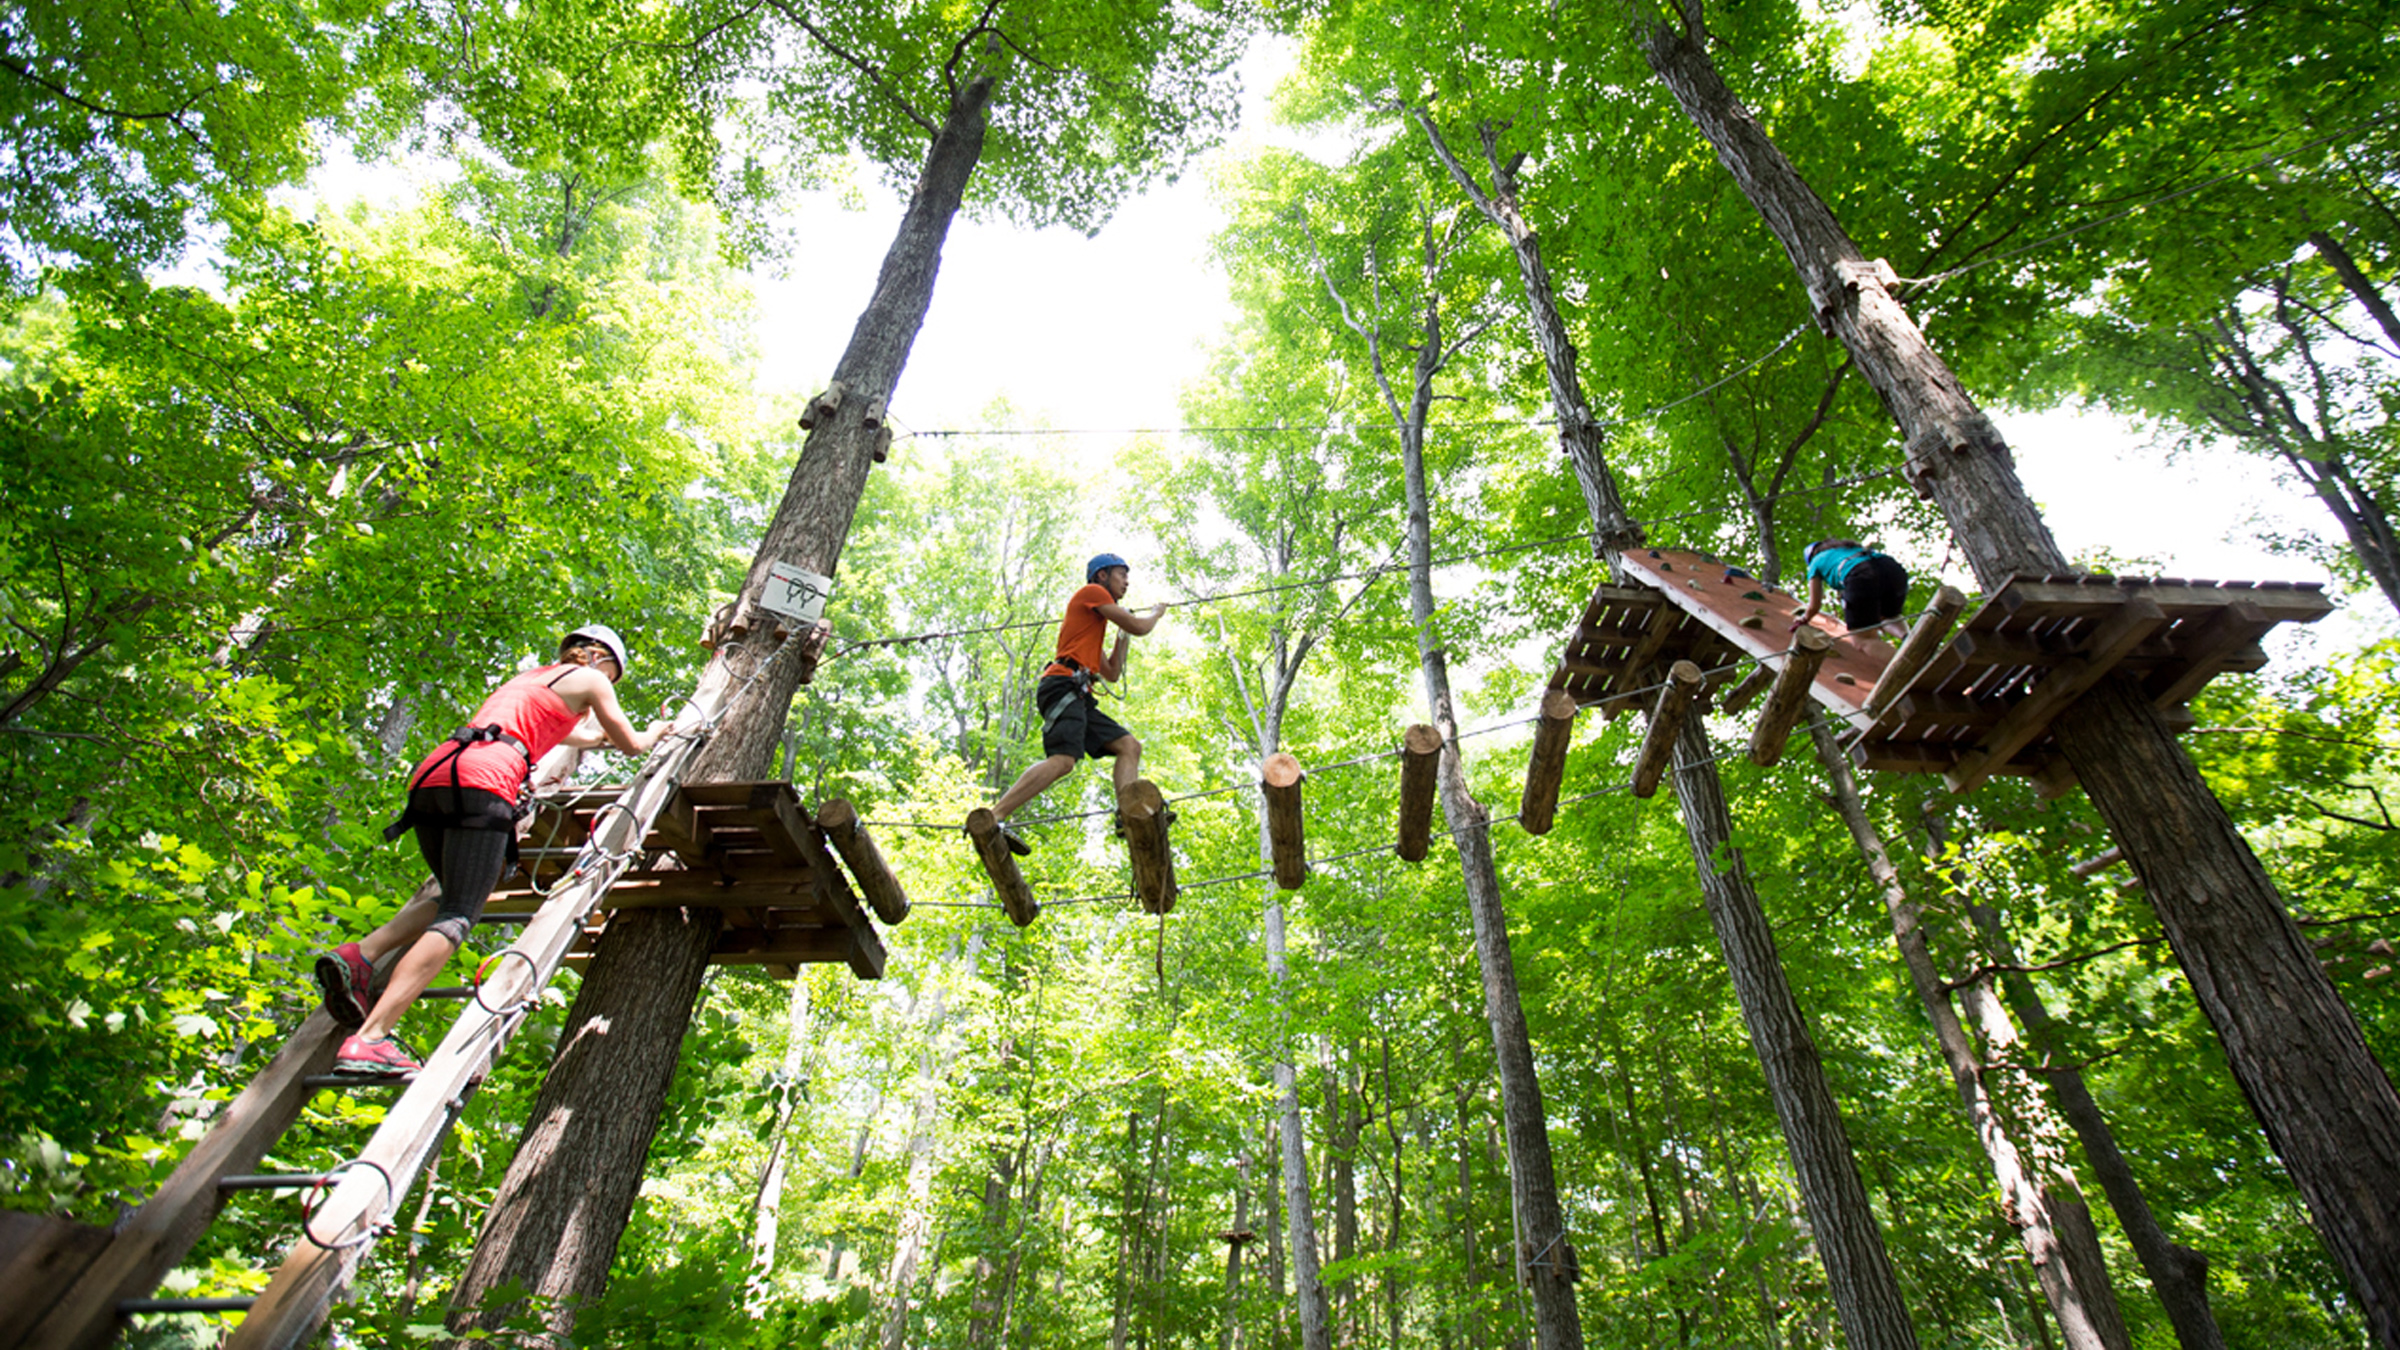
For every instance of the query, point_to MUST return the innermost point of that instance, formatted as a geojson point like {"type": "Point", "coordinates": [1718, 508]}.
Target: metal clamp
{"type": "Point", "coordinates": [532, 996]}
{"type": "Point", "coordinates": [324, 1186]}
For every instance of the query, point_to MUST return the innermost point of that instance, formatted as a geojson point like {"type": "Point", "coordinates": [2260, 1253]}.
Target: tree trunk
{"type": "Point", "coordinates": [1341, 1168]}
{"type": "Point", "coordinates": [1308, 1291]}
{"type": "Point", "coordinates": [2327, 1106]}
{"type": "Point", "coordinates": [1545, 1259]}
{"type": "Point", "coordinates": [990, 1286]}
{"type": "Point", "coordinates": [2178, 1273]}
{"type": "Point", "coordinates": [2355, 281]}
{"type": "Point", "coordinates": [766, 1208]}
{"type": "Point", "coordinates": [1858, 1272]}
{"type": "Point", "coordinates": [2064, 1249]}
{"type": "Point", "coordinates": [934, 1062]}
{"type": "Point", "coordinates": [555, 1223]}
{"type": "Point", "coordinates": [1229, 1331]}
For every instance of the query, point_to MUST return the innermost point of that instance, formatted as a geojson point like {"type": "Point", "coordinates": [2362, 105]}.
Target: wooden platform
{"type": "Point", "coordinates": [749, 849]}
{"type": "Point", "coordinates": [1985, 702]}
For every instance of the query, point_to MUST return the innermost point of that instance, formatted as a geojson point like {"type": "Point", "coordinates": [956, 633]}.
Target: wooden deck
{"type": "Point", "coordinates": [750, 849]}
{"type": "Point", "coordinates": [1985, 702]}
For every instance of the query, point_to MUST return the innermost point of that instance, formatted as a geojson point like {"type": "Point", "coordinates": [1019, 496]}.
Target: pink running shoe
{"type": "Point", "coordinates": [385, 1057]}
{"type": "Point", "coordinates": [344, 974]}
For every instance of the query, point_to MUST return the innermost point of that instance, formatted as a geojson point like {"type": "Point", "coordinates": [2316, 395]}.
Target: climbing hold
{"type": "Point", "coordinates": [1754, 595]}
{"type": "Point", "coordinates": [1754, 621]}
{"type": "Point", "coordinates": [1845, 679]}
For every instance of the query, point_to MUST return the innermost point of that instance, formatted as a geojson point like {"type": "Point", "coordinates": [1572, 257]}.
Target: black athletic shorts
{"type": "Point", "coordinates": [468, 837]}
{"type": "Point", "coordinates": [1072, 723]}
{"type": "Point", "coordinates": [1875, 590]}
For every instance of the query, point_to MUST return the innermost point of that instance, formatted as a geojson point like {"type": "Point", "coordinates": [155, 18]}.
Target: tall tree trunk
{"type": "Point", "coordinates": [560, 1210]}
{"type": "Point", "coordinates": [1229, 1330]}
{"type": "Point", "coordinates": [1856, 1265]}
{"type": "Point", "coordinates": [1341, 1177]}
{"type": "Point", "coordinates": [1470, 1262]}
{"type": "Point", "coordinates": [934, 1062]}
{"type": "Point", "coordinates": [2327, 1106]}
{"type": "Point", "coordinates": [2355, 281]}
{"type": "Point", "coordinates": [1545, 1259]}
{"type": "Point", "coordinates": [990, 1280]}
{"type": "Point", "coordinates": [2178, 1273]}
{"type": "Point", "coordinates": [2047, 1209]}
{"type": "Point", "coordinates": [1858, 1271]}
{"type": "Point", "coordinates": [766, 1208]}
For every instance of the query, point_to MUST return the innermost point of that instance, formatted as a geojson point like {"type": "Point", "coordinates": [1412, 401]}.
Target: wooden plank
{"type": "Point", "coordinates": [1280, 779]}
{"type": "Point", "coordinates": [1684, 681]}
{"type": "Point", "coordinates": [1948, 710]}
{"type": "Point", "coordinates": [665, 890]}
{"type": "Point", "coordinates": [1142, 815]}
{"type": "Point", "coordinates": [680, 828]}
{"type": "Point", "coordinates": [1016, 899]}
{"type": "Point", "coordinates": [839, 820]}
{"type": "Point", "coordinates": [1796, 673]}
{"type": "Point", "coordinates": [1931, 757]}
{"type": "Point", "coordinates": [2135, 618]}
{"type": "Point", "coordinates": [41, 1258]}
{"type": "Point", "coordinates": [2301, 603]}
{"type": "Point", "coordinates": [1664, 620]}
{"type": "Point", "coordinates": [2217, 640]}
{"type": "Point", "coordinates": [1547, 768]}
{"type": "Point", "coordinates": [1420, 747]}
{"type": "Point", "coordinates": [1917, 650]}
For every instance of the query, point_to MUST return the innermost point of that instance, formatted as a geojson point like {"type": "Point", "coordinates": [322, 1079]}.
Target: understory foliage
{"type": "Point", "coordinates": [275, 520]}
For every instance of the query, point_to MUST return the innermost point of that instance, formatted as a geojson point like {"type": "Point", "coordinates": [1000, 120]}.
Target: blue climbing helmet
{"type": "Point", "coordinates": [1101, 563]}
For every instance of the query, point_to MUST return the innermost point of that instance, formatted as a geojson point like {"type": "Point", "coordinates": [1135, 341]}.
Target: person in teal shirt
{"type": "Point", "coordinates": [1873, 587]}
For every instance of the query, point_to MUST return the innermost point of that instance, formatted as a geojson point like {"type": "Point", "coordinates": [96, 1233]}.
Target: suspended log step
{"type": "Point", "coordinates": [1553, 732]}
{"type": "Point", "coordinates": [1795, 673]}
{"type": "Point", "coordinates": [839, 819]}
{"type": "Point", "coordinates": [748, 848]}
{"type": "Point", "coordinates": [1279, 780]}
{"type": "Point", "coordinates": [1016, 898]}
{"type": "Point", "coordinates": [1964, 697]}
{"type": "Point", "coordinates": [1420, 752]}
{"type": "Point", "coordinates": [1684, 683]}
{"type": "Point", "coordinates": [1143, 815]}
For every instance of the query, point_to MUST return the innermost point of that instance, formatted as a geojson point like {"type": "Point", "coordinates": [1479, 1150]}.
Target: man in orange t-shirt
{"type": "Point", "coordinates": [1072, 724]}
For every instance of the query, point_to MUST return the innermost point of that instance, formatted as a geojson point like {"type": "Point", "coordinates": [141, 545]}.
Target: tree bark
{"type": "Point", "coordinates": [934, 1062]}
{"type": "Point", "coordinates": [2047, 1209]}
{"type": "Point", "coordinates": [1857, 1269]}
{"type": "Point", "coordinates": [560, 1210]}
{"type": "Point", "coordinates": [2327, 1106]}
{"type": "Point", "coordinates": [2178, 1273]}
{"type": "Point", "coordinates": [2355, 281]}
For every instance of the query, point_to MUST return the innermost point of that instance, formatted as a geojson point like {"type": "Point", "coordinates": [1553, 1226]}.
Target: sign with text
{"type": "Point", "coordinates": [796, 593]}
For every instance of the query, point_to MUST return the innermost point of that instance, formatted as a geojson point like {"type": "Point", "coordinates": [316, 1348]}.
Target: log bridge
{"type": "Point", "coordinates": [750, 849]}
{"type": "Point", "coordinates": [1964, 701]}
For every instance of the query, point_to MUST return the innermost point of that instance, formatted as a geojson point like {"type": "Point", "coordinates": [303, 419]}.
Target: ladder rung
{"type": "Point", "coordinates": [326, 1080]}
{"type": "Point", "coordinates": [506, 918]}
{"type": "Point", "coordinates": [126, 1307]}
{"type": "Point", "coordinates": [450, 991]}
{"type": "Point", "coordinates": [272, 1181]}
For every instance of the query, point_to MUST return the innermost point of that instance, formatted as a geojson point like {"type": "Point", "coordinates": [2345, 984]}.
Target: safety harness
{"type": "Point", "coordinates": [458, 744]}
{"type": "Point", "coordinates": [1079, 687]}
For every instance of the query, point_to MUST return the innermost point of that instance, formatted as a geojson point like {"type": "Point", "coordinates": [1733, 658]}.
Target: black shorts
{"type": "Point", "coordinates": [1875, 590]}
{"type": "Point", "coordinates": [468, 837]}
{"type": "Point", "coordinates": [1072, 723]}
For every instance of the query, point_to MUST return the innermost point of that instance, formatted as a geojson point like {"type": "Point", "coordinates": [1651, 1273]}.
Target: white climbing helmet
{"type": "Point", "coordinates": [606, 637]}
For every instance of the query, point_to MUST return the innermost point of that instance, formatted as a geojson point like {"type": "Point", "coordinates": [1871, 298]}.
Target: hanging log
{"type": "Point", "coordinates": [1001, 866]}
{"type": "Point", "coordinates": [1750, 687]}
{"type": "Point", "coordinates": [822, 406]}
{"type": "Point", "coordinates": [1419, 746]}
{"type": "Point", "coordinates": [1684, 682]}
{"type": "Point", "coordinates": [839, 819]}
{"type": "Point", "coordinates": [1551, 737]}
{"type": "Point", "coordinates": [1789, 698]}
{"type": "Point", "coordinates": [1142, 812]}
{"type": "Point", "coordinates": [1279, 778]}
{"type": "Point", "coordinates": [1923, 640]}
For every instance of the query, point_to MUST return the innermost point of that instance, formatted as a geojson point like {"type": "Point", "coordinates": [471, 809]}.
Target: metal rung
{"type": "Point", "coordinates": [449, 991]}
{"type": "Point", "coordinates": [326, 1080]}
{"type": "Point", "coordinates": [272, 1181]}
{"type": "Point", "coordinates": [129, 1306]}
{"type": "Point", "coordinates": [506, 918]}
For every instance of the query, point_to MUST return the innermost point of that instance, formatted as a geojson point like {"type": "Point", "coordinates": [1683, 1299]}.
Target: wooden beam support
{"type": "Point", "coordinates": [1663, 622]}
{"type": "Point", "coordinates": [1917, 649]}
{"type": "Point", "coordinates": [681, 829]}
{"type": "Point", "coordinates": [2135, 618]}
{"type": "Point", "coordinates": [790, 889]}
{"type": "Point", "coordinates": [839, 819]}
{"type": "Point", "coordinates": [1420, 747]}
{"type": "Point", "coordinates": [2282, 603]}
{"type": "Point", "coordinates": [1001, 865]}
{"type": "Point", "coordinates": [1788, 700]}
{"type": "Point", "coordinates": [1142, 814]}
{"type": "Point", "coordinates": [1548, 765]}
{"type": "Point", "coordinates": [2220, 637]}
{"type": "Point", "coordinates": [1684, 682]}
{"type": "Point", "coordinates": [1279, 780]}
{"type": "Point", "coordinates": [1749, 687]}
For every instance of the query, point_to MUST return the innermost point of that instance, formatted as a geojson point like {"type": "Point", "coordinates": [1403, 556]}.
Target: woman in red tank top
{"type": "Point", "coordinates": [464, 799]}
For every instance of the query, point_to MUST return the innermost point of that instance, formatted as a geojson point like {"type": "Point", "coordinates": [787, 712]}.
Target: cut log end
{"type": "Point", "coordinates": [1016, 898]}
{"type": "Point", "coordinates": [1142, 812]}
